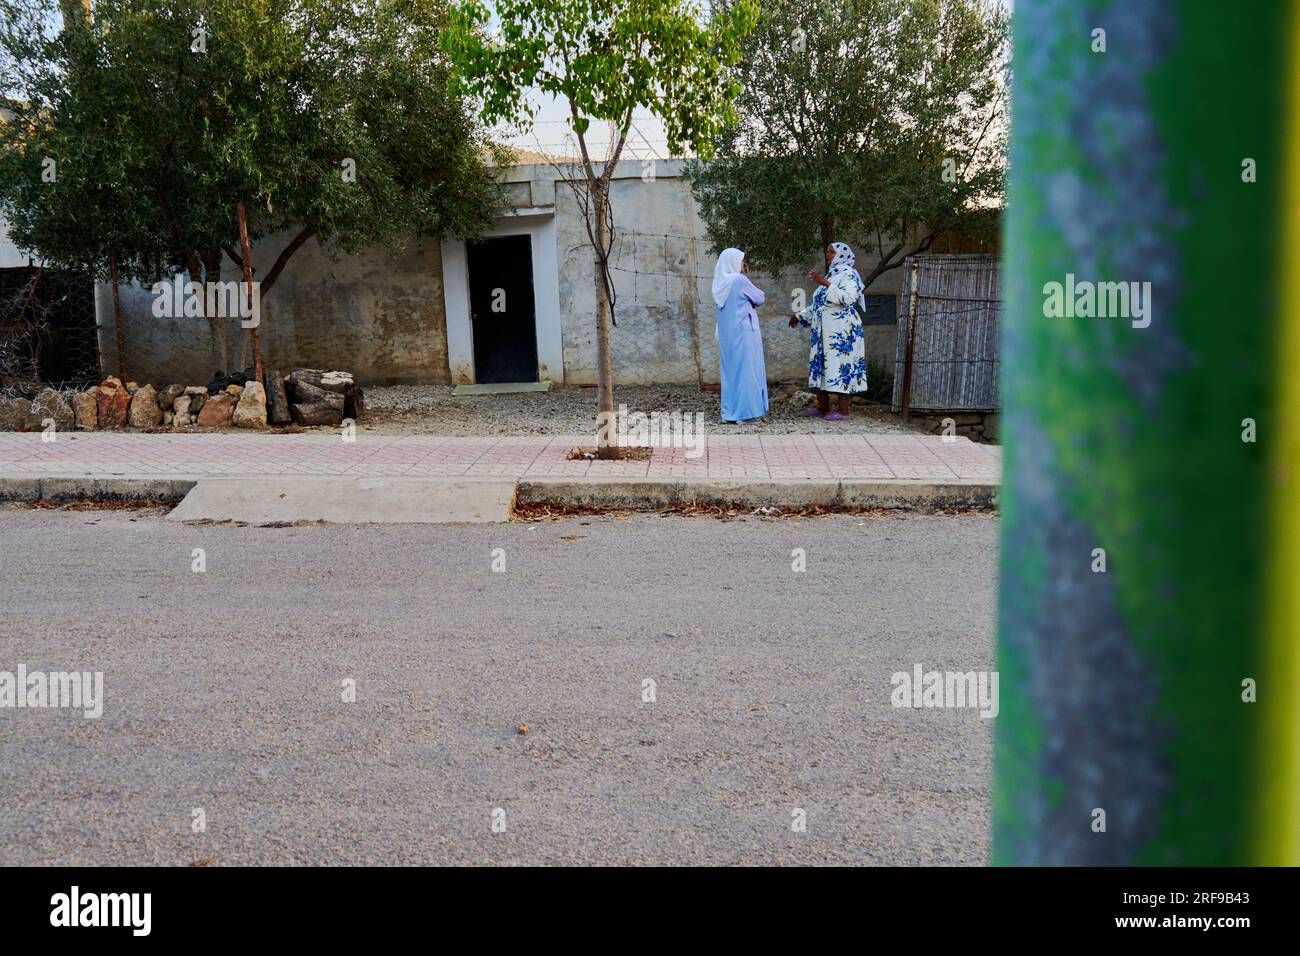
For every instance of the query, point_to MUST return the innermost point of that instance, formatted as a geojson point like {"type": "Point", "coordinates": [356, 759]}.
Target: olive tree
{"type": "Point", "coordinates": [137, 137]}
{"type": "Point", "coordinates": [878, 121]}
{"type": "Point", "coordinates": [604, 59]}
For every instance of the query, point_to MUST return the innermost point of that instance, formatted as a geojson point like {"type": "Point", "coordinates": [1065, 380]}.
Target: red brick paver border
{"type": "Point", "coordinates": [921, 458]}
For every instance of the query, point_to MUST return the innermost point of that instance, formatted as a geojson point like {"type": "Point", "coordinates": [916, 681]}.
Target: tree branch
{"type": "Point", "coordinates": [285, 254]}
{"type": "Point", "coordinates": [884, 265]}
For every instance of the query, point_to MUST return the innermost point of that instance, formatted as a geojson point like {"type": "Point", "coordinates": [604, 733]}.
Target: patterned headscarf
{"type": "Point", "coordinates": [844, 261]}
{"type": "Point", "coordinates": [844, 258]}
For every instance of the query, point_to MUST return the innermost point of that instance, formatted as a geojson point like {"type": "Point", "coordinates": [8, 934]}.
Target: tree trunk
{"type": "Point", "coordinates": [606, 425]}
{"type": "Point", "coordinates": [75, 12]}
{"type": "Point", "coordinates": [340, 382]}
{"type": "Point", "coordinates": [305, 383]}
{"type": "Point", "coordinates": [1149, 623]}
{"type": "Point", "coordinates": [242, 214]}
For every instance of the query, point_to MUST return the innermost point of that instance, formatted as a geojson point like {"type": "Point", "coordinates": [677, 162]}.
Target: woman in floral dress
{"type": "Point", "coordinates": [837, 360]}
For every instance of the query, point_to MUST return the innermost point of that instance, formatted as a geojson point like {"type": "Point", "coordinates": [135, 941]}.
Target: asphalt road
{"type": "Point", "coordinates": [223, 691]}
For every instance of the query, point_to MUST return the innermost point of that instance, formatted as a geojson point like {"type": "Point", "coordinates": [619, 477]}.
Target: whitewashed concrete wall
{"type": "Point", "coordinates": [378, 313]}
{"type": "Point", "coordinates": [389, 316]}
{"type": "Point", "coordinates": [10, 257]}
{"type": "Point", "coordinates": [662, 274]}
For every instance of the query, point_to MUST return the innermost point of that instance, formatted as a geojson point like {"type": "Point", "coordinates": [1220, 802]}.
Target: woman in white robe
{"type": "Point", "coordinates": [740, 344]}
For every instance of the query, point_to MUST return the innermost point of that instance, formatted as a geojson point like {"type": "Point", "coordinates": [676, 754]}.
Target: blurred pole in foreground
{"type": "Point", "coordinates": [1149, 623]}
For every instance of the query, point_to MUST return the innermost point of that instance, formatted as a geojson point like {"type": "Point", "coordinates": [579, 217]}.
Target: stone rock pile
{"type": "Point", "coordinates": [304, 396]}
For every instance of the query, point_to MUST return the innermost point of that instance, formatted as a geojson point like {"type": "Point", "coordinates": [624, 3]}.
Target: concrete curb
{"type": "Point", "coordinates": [644, 494]}
{"type": "Point", "coordinates": [353, 500]}
{"type": "Point", "coordinates": [637, 494]}
{"type": "Point", "coordinates": [82, 489]}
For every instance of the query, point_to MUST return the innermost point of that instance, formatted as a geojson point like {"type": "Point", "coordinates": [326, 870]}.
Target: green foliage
{"type": "Point", "coordinates": [163, 115]}
{"type": "Point", "coordinates": [605, 58]}
{"type": "Point", "coordinates": [880, 380]}
{"type": "Point", "coordinates": [849, 110]}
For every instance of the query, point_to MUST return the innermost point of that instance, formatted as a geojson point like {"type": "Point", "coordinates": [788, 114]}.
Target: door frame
{"type": "Point", "coordinates": [539, 226]}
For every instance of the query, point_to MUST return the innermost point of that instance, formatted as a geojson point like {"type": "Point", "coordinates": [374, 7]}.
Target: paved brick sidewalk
{"type": "Point", "coordinates": [922, 458]}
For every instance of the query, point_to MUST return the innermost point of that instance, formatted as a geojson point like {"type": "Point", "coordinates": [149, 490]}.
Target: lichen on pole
{"type": "Point", "coordinates": [1148, 633]}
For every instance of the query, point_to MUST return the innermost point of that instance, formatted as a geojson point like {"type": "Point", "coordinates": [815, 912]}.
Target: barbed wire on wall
{"type": "Point", "coordinates": [621, 253]}
{"type": "Point", "coordinates": [634, 147]}
{"type": "Point", "coordinates": [977, 304]}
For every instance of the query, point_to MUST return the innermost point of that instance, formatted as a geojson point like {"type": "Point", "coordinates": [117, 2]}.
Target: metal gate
{"type": "Point", "coordinates": [946, 357]}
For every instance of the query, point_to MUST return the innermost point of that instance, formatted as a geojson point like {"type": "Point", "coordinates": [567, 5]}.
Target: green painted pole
{"type": "Point", "coordinates": [1148, 632]}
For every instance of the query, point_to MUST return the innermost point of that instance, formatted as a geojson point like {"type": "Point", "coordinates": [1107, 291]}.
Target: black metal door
{"type": "Point", "coordinates": [502, 309]}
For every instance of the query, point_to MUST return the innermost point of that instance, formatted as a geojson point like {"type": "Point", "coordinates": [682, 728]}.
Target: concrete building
{"type": "Point", "coordinates": [518, 306]}
{"type": "Point", "coordinates": [10, 257]}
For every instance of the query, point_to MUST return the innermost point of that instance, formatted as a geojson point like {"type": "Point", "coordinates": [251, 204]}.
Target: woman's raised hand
{"type": "Point", "coordinates": [818, 278]}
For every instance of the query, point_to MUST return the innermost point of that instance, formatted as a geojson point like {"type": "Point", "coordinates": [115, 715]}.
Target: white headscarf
{"type": "Point", "coordinates": [725, 273]}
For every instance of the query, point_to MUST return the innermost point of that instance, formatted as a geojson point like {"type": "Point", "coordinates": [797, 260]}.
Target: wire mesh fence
{"type": "Point", "coordinates": [673, 254]}
{"type": "Point", "coordinates": [173, 349]}
{"type": "Point", "coordinates": [48, 333]}
{"type": "Point", "coordinates": [673, 269]}
{"type": "Point", "coordinates": [946, 356]}
{"type": "Point", "coordinates": [49, 336]}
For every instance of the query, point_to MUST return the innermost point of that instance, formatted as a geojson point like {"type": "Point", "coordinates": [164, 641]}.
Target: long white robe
{"type": "Point", "coordinates": [740, 354]}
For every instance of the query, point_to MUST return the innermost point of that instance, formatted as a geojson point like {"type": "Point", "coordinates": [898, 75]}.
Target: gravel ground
{"type": "Point", "coordinates": [567, 410]}
{"type": "Point", "coordinates": [223, 691]}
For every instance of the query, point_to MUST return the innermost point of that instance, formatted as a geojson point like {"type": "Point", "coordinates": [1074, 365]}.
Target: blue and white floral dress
{"type": "Point", "coordinates": [837, 358]}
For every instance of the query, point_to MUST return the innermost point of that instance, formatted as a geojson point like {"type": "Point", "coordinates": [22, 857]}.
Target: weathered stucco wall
{"type": "Point", "coordinates": [655, 265]}
{"type": "Point", "coordinates": [378, 314]}
{"type": "Point", "coordinates": [662, 276]}
{"type": "Point", "coordinates": [381, 313]}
